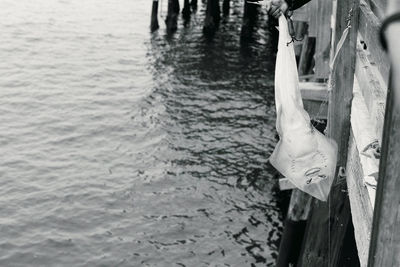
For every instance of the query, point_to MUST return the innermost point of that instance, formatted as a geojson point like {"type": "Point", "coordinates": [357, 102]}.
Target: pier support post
{"type": "Point", "coordinates": [329, 220]}
{"type": "Point", "coordinates": [295, 223]}
{"type": "Point", "coordinates": [172, 15]}
{"type": "Point", "coordinates": [249, 20]}
{"type": "Point", "coordinates": [225, 8]}
{"type": "Point", "coordinates": [193, 4]}
{"type": "Point", "coordinates": [186, 10]}
{"type": "Point", "coordinates": [154, 16]}
{"type": "Point", "coordinates": [385, 238]}
{"type": "Point", "coordinates": [213, 17]}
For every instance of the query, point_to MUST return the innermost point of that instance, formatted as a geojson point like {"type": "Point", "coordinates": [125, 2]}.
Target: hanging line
{"type": "Point", "coordinates": [332, 66]}
{"type": "Point", "coordinates": [339, 48]}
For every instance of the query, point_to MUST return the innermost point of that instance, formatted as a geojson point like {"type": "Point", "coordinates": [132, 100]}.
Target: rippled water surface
{"type": "Point", "coordinates": [125, 148]}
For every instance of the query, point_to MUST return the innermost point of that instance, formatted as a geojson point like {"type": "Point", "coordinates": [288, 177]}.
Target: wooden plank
{"type": "Point", "coordinates": [369, 30]}
{"type": "Point", "coordinates": [328, 221]}
{"type": "Point", "coordinates": [314, 91]}
{"type": "Point", "coordinates": [313, 24]}
{"type": "Point", "coordinates": [299, 206]}
{"type": "Point", "coordinates": [361, 208]}
{"type": "Point", "coordinates": [285, 184]}
{"type": "Point", "coordinates": [302, 14]}
{"type": "Point", "coordinates": [373, 90]}
{"type": "Point", "coordinates": [378, 7]}
{"type": "Point", "coordinates": [364, 136]}
{"type": "Point", "coordinates": [385, 240]}
{"type": "Point", "coordinates": [323, 39]}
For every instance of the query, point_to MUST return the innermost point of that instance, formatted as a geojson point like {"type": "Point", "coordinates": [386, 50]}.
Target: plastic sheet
{"type": "Point", "coordinates": [303, 155]}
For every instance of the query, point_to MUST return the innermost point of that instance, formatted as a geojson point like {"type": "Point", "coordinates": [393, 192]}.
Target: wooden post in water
{"type": "Point", "coordinates": [385, 237]}
{"type": "Point", "coordinates": [328, 222]}
{"type": "Point", "coordinates": [186, 10]}
{"type": "Point", "coordinates": [323, 39]}
{"type": "Point", "coordinates": [249, 20]}
{"type": "Point", "coordinates": [172, 15]}
{"type": "Point", "coordinates": [193, 4]}
{"type": "Point", "coordinates": [225, 8]}
{"type": "Point", "coordinates": [154, 16]}
{"type": "Point", "coordinates": [295, 222]}
{"type": "Point", "coordinates": [213, 17]}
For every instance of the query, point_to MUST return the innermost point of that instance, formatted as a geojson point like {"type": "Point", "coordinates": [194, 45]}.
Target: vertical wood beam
{"type": "Point", "coordinates": [213, 16]}
{"type": "Point", "coordinates": [293, 234]}
{"type": "Point", "coordinates": [329, 220]}
{"type": "Point", "coordinates": [226, 7]}
{"type": "Point", "coordinates": [154, 16]}
{"type": "Point", "coordinates": [249, 20]}
{"type": "Point", "coordinates": [323, 39]}
{"type": "Point", "coordinates": [193, 4]}
{"type": "Point", "coordinates": [172, 15]}
{"type": "Point", "coordinates": [385, 238]}
{"type": "Point", "coordinates": [186, 10]}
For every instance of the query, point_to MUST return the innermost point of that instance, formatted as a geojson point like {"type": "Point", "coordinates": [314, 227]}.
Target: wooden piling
{"type": "Point", "coordinates": [186, 10]}
{"type": "Point", "coordinates": [172, 15]}
{"type": "Point", "coordinates": [328, 221]}
{"type": "Point", "coordinates": [323, 39]}
{"type": "Point", "coordinates": [385, 241]}
{"type": "Point", "coordinates": [213, 17]}
{"type": "Point", "coordinates": [154, 17]}
{"type": "Point", "coordinates": [385, 238]}
{"type": "Point", "coordinates": [193, 4]}
{"type": "Point", "coordinates": [249, 19]}
{"type": "Point", "coordinates": [225, 8]}
{"type": "Point", "coordinates": [295, 224]}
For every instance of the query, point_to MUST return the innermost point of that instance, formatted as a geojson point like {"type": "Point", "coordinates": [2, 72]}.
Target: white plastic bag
{"type": "Point", "coordinates": [303, 155]}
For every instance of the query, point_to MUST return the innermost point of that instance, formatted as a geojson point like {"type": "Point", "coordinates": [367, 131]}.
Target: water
{"type": "Point", "coordinates": [125, 148]}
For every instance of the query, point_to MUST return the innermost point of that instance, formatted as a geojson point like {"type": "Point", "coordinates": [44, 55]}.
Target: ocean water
{"type": "Point", "coordinates": [119, 147]}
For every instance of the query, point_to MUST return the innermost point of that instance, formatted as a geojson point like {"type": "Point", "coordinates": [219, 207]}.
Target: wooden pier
{"type": "Point", "coordinates": [362, 119]}
{"type": "Point", "coordinates": [350, 82]}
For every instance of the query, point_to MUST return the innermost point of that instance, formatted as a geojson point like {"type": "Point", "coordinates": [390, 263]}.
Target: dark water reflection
{"type": "Point", "coordinates": [218, 96]}
{"type": "Point", "coordinates": [121, 148]}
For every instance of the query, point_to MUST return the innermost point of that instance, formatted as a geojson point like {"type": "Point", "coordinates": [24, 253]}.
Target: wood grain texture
{"type": "Point", "coordinates": [313, 24]}
{"type": "Point", "coordinates": [364, 136]}
{"type": "Point", "coordinates": [385, 239]}
{"type": "Point", "coordinates": [299, 206]}
{"type": "Point", "coordinates": [378, 7]}
{"type": "Point", "coordinates": [323, 39]}
{"type": "Point", "coordinates": [361, 208]}
{"type": "Point", "coordinates": [369, 30]}
{"type": "Point", "coordinates": [373, 89]}
{"type": "Point", "coordinates": [314, 91]}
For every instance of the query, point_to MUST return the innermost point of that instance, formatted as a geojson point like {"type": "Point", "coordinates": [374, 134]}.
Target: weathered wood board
{"type": "Point", "coordinates": [369, 30]}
